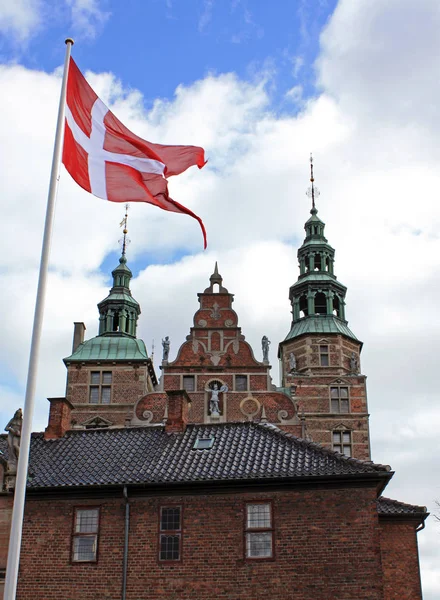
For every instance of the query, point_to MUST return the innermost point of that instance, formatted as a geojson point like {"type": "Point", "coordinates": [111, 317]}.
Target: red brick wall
{"type": "Point", "coordinates": [326, 546]}
{"type": "Point", "coordinates": [5, 527]}
{"type": "Point", "coordinates": [400, 562]}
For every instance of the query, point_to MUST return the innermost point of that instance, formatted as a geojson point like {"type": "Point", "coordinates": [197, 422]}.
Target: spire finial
{"type": "Point", "coordinates": [312, 191]}
{"type": "Point", "coordinates": [125, 240]}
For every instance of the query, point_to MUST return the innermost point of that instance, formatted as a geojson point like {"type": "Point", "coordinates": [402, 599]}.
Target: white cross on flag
{"type": "Point", "coordinates": [109, 161]}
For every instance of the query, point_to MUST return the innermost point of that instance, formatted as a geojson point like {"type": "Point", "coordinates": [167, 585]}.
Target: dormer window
{"type": "Point", "coordinates": [203, 443]}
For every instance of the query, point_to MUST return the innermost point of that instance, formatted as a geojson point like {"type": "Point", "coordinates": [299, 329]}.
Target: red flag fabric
{"type": "Point", "coordinates": [109, 161]}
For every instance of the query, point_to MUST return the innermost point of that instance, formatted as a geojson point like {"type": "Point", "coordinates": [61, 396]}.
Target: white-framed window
{"type": "Point", "coordinates": [170, 536]}
{"type": "Point", "coordinates": [339, 399]}
{"type": "Point", "coordinates": [100, 389]}
{"type": "Point", "coordinates": [85, 535]}
{"type": "Point", "coordinates": [259, 530]}
{"type": "Point", "coordinates": [342, 442]}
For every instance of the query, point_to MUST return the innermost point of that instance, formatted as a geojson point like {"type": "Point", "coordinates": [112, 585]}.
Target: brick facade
{"type": "Point", "coordinates": [398, 543]}
{"type": "Point", "coordinates": [326, 546]}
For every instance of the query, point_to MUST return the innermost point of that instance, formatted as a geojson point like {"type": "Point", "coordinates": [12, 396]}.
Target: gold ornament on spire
{"type": "Point", "coordinates": [312, 191]}
{"type": "Point", "coordinates": [125, 240]}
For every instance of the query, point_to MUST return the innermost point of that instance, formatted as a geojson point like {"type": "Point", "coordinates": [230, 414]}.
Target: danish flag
{"type": "Point", "coordinates": [109, 161]}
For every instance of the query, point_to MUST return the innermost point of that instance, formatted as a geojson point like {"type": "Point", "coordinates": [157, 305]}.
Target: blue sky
{"type": "Point", "coordinates": [259, 85]}
{"type": "Point", "coordinates": [156, 45]}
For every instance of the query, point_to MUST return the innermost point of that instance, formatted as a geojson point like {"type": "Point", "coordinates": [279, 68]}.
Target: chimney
{"type": "Point", "coordinates": [59, 418]}
{"type": "Point", "coordinates": [78, 335]}
{"type": "Point", "coordinates": [179, 404]}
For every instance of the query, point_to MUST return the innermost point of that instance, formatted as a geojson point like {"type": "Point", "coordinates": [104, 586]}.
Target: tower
{"type": "Point", "coordinates": [320, 356]}
{"type": "Point", "coordinates": [108, 373]}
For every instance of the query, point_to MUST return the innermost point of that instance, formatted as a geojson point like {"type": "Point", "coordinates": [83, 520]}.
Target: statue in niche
{"type": "Point", "coordinates": [214, 402]}
{"type": "Point", "coordinates": [265, 342]}
{"type": "Point", "coordinates": [166, 348]}
{"type": "Point", "coordinates": [354, 367]}
{"type": "Point", "coordinates": [14, 436]}
{"type": "Point", "coordinates": [292, 362]}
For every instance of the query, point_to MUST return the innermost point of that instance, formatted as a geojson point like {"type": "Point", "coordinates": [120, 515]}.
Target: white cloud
{"type": "Point", "coordinates": [19, 18]}
{"type": "Point", "coordinates": [374, 135]}
{"type": "Point", "coordinates": [88, 17]}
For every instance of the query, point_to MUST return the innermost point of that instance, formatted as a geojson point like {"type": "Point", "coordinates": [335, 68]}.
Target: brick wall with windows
{"type": "Point", "coordinates": [105, 390]}
{"type": "Point", "coordinates": [327, 391]}
{"type": "Point", "coordinates": [212, 531]}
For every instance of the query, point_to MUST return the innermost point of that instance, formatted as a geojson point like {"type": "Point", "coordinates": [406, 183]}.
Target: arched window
{"type": "Point", "coordinates": [320, 303]}
{"type": "Point", "coordinates": [336, 306]}
{"type": "Point", "coordinates": [318, 262]}
{"type": "Point", "coordinates": [307, 263]}
{"type": "Point", "coordinates": [303, 308]}
{"type": "Point", "coordinates": [115, 322]}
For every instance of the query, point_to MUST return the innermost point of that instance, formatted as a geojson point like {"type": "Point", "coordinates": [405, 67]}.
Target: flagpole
{"type": "Point", "coordinates": [23, 461]}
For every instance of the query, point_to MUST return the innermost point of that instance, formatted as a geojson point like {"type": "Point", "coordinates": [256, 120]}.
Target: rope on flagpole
{"type": "Point", "coordinates": [23, 460]}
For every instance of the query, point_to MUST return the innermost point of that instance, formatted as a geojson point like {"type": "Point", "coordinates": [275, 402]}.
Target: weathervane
{"type": "Point", "coordinates": [125, 240]}
{"type": "Point", "coordinates": [312, 191]}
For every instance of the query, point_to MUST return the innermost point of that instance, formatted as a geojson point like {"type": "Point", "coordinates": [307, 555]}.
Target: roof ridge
{"type": "Point", "coordinates": [402, 504]}
{"type": "Point", "coordinates": [316, 446]}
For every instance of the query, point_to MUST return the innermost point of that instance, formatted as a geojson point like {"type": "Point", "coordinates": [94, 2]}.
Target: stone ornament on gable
{"type": "Point", "coordinates": [265, 342]}
{"type": "Point", "coordinates": [166, 348]}
{"type": "Point", "coordinates": [215, 313]}
{"type": "Point", "coordinates": [14, 437]}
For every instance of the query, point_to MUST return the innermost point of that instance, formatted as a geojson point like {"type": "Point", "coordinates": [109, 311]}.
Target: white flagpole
{"type": "Point", "coordinates": [22, 468]}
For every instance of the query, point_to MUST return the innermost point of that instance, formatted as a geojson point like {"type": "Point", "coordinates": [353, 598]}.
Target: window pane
{"type": "Point", "coordinates": [169, 547]}
{"type": "Point", "coordinates": [94, 395]}
{"type": "Point", "coordinates": [95, 377]}
{"type": "Point", "coordinates": [334, 392]}
{"type": "Point", "coordinates": [105, 395]}
{"type": "Point", "coordinates": [336, 437]}
{"type": "Point", "coordinates": [337, 448]}
{"type": "Point", "coordinates": [86, 521]}
{"type": "Point", "coordinates": [84, 548]}
{"type": "Point", "coordinates": [188, 383]}
{"type": "Point", "coordinates": [258, 516]}
{"type": "Point", "coordinates": [346, 437]}
{"type": "Point", "coordinates": [344, 406]}
{"type": "Point", "coordinates": [259, 545]}
{"type": "Point", "coordinates": [241, 384]}
{"type": "Point", "coordinates": [323, 349]}
{"type": "Point", "coordinates": [107, 377]}
{"type": "Point", "coordinates": [347, 450]}
{"type": "Point", "coordinates": [324, 360]}
{"type": "Point", "coordinates": [343, 392]}
{"type": "Point", "coordinates": [170, 518]}
{"type": "Point", "coordinates": [335, 406]}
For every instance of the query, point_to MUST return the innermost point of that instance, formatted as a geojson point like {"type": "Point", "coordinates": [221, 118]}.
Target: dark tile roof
{"type": "Point", "coordinates": [150, 455]}
{"type": "Point", "coordinates": [388, 507]}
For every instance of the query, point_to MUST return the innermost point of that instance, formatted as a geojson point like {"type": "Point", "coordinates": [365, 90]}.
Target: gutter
{"type": "Point", "coordinates": [126, 532]}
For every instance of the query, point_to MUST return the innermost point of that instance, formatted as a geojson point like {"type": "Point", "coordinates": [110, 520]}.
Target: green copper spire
{"type": "Point", "coordinates": [317, 298]}
{"type": "Point", "coordinates": [119, 312]}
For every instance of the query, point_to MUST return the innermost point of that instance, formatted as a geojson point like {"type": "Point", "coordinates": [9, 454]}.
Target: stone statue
{"type": "Point", "coordinates": [265, 346]}
{"type": "Point", "coordinates": [14, 435]}
{"type": "Point", "coordinates": [292, 362]}
{"type": "Point", "coordinates": [353, 363]}
{"type": "Point", "coordinates": [214, 402]}
{"type": "Point", "coordinates": [166, 348]}
{"type": "Point", "coordinates": [214, 408]}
